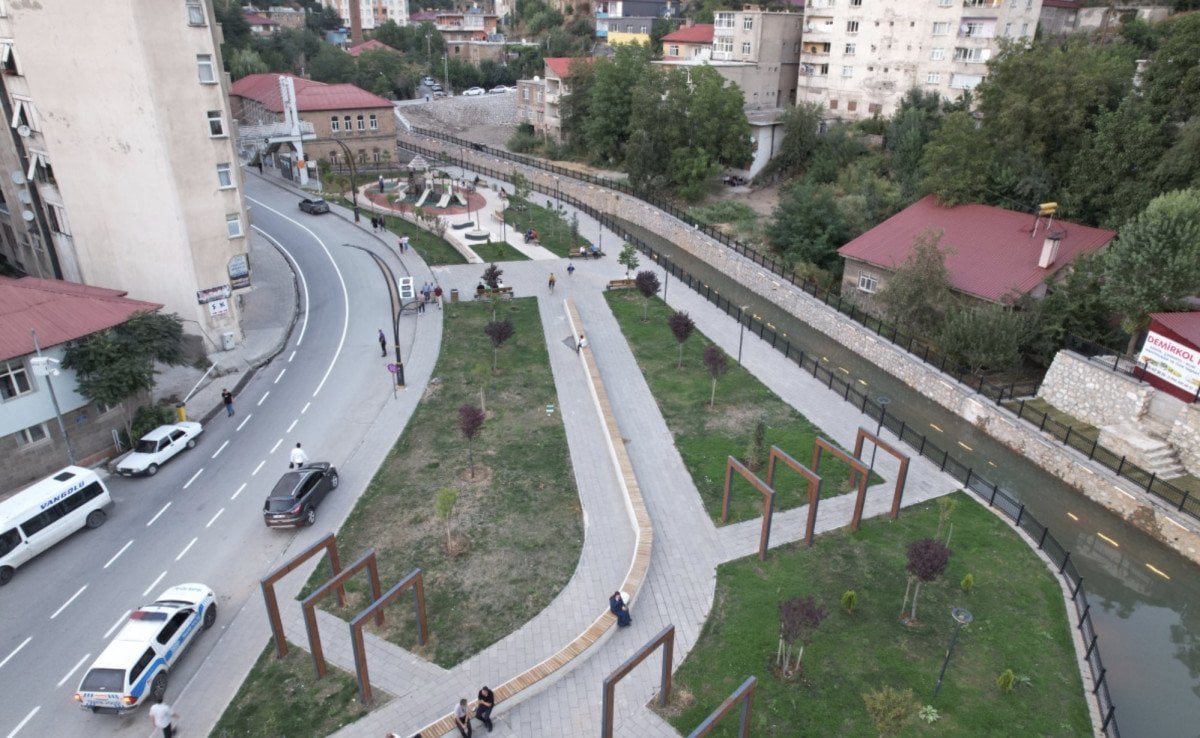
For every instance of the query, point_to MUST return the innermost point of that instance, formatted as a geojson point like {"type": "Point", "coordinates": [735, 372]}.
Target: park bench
{"type": "Point", "coordinates": [574, 254]}
{"type": "Point", "coordinates": [621, 284]}
{"type": "Point", "coordinates": [497, 292]}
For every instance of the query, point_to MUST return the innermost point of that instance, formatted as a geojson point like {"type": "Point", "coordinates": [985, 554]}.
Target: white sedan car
{"type": "Point", "coordinates": [157, 446]}
{"type": "Point", "coordinates": [474, 91]}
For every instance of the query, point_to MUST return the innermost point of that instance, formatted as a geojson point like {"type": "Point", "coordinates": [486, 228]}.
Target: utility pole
{"type": "Point", "coordinates": [41, 368]}
{"type": "Point", "coordinates": [446, 71]}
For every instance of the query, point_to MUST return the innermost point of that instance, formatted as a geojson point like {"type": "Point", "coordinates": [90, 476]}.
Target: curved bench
{"type": "Point", "coordinates": [634, 578]}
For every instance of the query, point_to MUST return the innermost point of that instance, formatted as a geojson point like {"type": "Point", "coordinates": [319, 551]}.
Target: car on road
{"type": "Point", "coordinates": [473, 91]}
{"type": "Point", "coordinates": [500, 90]}
{"type": "Point", "coordinates": [315, 206]}
{"type": "Point", "coordinates": [133, 668]}
{"type": "Point", "coordinates": [157, 446]}
{"type": "Point", "coordinates": [439, 93]}
{"type": "Point", "coordinates": [294, 500]}
{"type": "Point", "coordinates": [429, 81]}
{"type": "Point", "coordinates": [436, 87]}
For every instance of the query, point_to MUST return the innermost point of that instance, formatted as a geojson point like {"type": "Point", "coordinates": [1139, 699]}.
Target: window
{"type": "Point", "coordinates": [57, 215]}
{"type": "Point", "coordinates": [373, 122]}
{"type": "Point", "coordinates": [867, 282]}
{"type": "Point", "coordinates": [346, 121]}
{"type": "Point", "coordinates": [874, 108]}
{"type": "Point", "coordinates": [673, 50]}
{"type": "Point", "coordinates": [937, 54]}
{"type": "Point", "coordinates": [9, 540]}
{"type": "Point", "coordinates": [31, 435]}
{"type": "Point", "coordinates": [965, 81]}
{"type": "Point", "coordinates": [856, 3]}
{"type": "Point", "coordinates": [971, 56]}
{"type": "Point", "coordinates": [24, 114]}
{"type": "Point", "coordinates": [8, 58]}
{"type": "Point", "coordinates": [1024, 29]}
{"type": "Point", "coordinates": [233, 224]}
{"type": "Point", "coordinates": [941, 29]}
{"type": "Point", "coordinates": [173, 625]}
{"type": "Point", "coordinates": [851, 49]}
{"type": "Point", "coordinates": [1008, 29]}
{"type": "Point", "coordinates": [14, 379]}
{"type": "Point", "coordinates": [833, 104]}
{"type": "Point", "coordinates": [724, 44]}
{"type": "Point", "coordinates": [723, 20]}
{"type": "Point", "coordinates": [224, 175]}
{"type": "Point", "coordinates": [208, 73]}
{"type": "Point", "coordinates": [933, 78]}
{"type": "Point", "coordinates": [361, 124]}
{"type": "Point", "coordinates": [852, 106]}
{"type": "Point", "coordinates": [333, 123]}
{"type": "Point", "coordinates": [847, 71]}
{"type": "Point", "coordinates": [375, 156]}
{"type": "Point", "coordinates": [851, 26]}
{"type": "Point", "coordinates": [216, 126]}
{"type": "Point", "coordinates": [746, 48]}
{"type": "Point", "coordinates": [945, 3]}
{"type": "Point", "coordinates": [195, 13]}
{"type": "Point", "coordinates": [39, 167]}
{"type": "Point", "coordinates": [146, 659]}
{"type": "Point", "coordinates": [748, 23]}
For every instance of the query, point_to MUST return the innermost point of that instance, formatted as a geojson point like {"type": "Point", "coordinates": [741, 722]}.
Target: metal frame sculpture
{"type": "Point", "coordinates": [901, 477]}
{"type": "Point", "coordinates": [415, 581]}
{"type": "Point", "coordinates": [860, 469]}
{"type": "Point", "coordinates": [666, 639]}
{"type": "Point", "coordinates": [328, 544]}
{"type": "Point", "coordinates": [732, 464]}
{"type": "Point", "coordinates": [814, 486]}
{"type": "Point", "coordinates": [309, 604]}
{"type": "Point", "coordinates": [744, 695]}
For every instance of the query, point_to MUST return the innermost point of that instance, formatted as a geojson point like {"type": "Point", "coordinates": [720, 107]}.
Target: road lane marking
{"type": "Point", "coordinates": [293, 425]}
{"type": "Point", "coordinates": [214, 518]}
{"type": "Point", "coordinates": [154, 584]}
{"type": "Point", "coordinates": [118, 553]}
{"type": "Point", "coordinates": [64, 605]}
{"type": "Point", "coordinates": [24, 643]}
{"type": "Point", "coordinates": [305, 408]}
{"type": "Point", "coordinates": [160, 512]}
{"type": "Point", "coordinates": [239, 491]}
{"type": "Point", "coordinates": [223, 445]}
{"type": "Point", "coordinates": [292, 356]}
{"type": "Point", "coordinates": [189, 482]}
{"type": "Point", "coordinates": [74, 669]}
{"type": "Point", "coordinates": [186, 549]}
{"type": "Point", "coordinates": [247, 420]}
{"type": "Point", "coordinates": [275, 447]}
{"type": "Point", "coordinates": [21, 724]}
{"type": "Point", "coordinates": [1157, 571]}
{"type": "Point", "coordinates": [256, 469]}
{"type": "Point", "coordinates": [117, 624]}
{"type": "Point", "coordinates": [263, 399]}
{"type": "Point", "coordinates": [1114, 543]}
{"type": "Point", "coordinates": [281, 373]}
{"type": "Point", "coordinates": [295, 264]}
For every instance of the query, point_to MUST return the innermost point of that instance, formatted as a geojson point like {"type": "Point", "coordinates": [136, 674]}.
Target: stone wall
{"type": "Point", "coordinates": [1185, 438]}
{"type": "Point", "coordinates": [1121, 498]}
{"type": "Point", "coordinates": [1092, 393]}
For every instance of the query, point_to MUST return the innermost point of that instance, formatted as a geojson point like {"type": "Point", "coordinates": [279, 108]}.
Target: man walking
{"type": "Point", "coordinates": [551, 282]}
{"type": "Point", "coordinates": [163, 716]}
{"type": "Point", "coordinates": [437, 296]}
{"type": "Point", "coordinates": [570, 269]}
{"type": "Point", "coordinates": [382, 343]}
{"type": "Point", "coordinates": [298, 458]}
{"type": "Point", "coordinates": [581, 344]}
{"type": "Point", "coordinates": [227, 398]}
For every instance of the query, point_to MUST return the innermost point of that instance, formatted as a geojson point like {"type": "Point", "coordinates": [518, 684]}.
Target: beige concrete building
{"type": "Point", "coordinates": [121, 172]}
{"type": "Point", "coordinates": [859, 57]}
{"type": "Point", "coordinates": [373, 13]}
{"type": "Point", "coordinates": [538, 99]}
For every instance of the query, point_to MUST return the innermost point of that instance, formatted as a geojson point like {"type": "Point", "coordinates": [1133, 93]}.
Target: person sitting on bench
{"type": "Point", "coordinates": [595, 251]}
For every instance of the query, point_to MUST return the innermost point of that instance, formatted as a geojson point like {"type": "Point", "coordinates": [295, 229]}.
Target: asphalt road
{"type": "Point", "coordinates": [199, 519]}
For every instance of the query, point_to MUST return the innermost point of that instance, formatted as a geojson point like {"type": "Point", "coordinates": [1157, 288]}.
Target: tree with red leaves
{"type": "Point", "coordinates": [927, 560]}
{"type": "Point", "coordinates": [470, 422]}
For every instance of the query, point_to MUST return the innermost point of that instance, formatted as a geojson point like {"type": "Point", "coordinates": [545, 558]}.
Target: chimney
{"type": "Point", "coordinates": [1049, 250]}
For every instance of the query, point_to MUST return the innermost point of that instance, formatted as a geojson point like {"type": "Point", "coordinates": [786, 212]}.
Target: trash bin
{"type": "Point", "coordinates": [454, 294]}
{"type": "Point", "coordinates": [181, 413]}
{"type": "Point", "coordinates": [228, 341]}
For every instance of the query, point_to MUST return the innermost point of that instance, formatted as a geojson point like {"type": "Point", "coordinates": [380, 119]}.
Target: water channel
{"type": "Point", "coordinates": [1145, 598]}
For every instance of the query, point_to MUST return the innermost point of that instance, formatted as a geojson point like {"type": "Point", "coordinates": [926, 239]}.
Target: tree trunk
{"type": "Point", "coordinates": [907, 589]}
{"type": "Point", "coordinates": [779, 652]}
{"type": "Point", "coordinates": [799, 656]}
{"type": "Point", "coordinates": [471, 459]}
{"type": "Point", "coordinates": [712, 399]}
{"type": "Point", "coordinates": [916, 594]}
{"type": "Point", "coordinates": [495, 357]}
{"type": "Point", "coordinates": [680, 364]}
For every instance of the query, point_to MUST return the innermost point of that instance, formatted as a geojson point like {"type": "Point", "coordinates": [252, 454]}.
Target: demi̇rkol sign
{"type": "Point", "coordinates": [1171, 361]}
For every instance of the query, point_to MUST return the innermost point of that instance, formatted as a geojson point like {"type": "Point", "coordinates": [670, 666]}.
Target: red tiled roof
{"type": "Point", "coordinates": [58, 311]}
{"type": "Point", "coordinates": [255, 19]}
{"type": "Point", "coordinates": [701, 33]}
{"type": "Point", "coordinates": [423, 15]}
{"type": "Point", "coordinates": [1186, 325]}
{"type": "Point", "coordinates": [561, 65]}
{"type": "Point", "coordinates": [993, 252]}
{"type": "Point", "coordinates": [370, 45]}
{"type": "Point", "coordinates": [310, 95]}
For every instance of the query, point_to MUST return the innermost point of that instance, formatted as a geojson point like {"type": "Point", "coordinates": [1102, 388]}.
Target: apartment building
{"type": "Point", "coordinates": [121, 174]}
{"type": "Point", "coordinates": [538, 99]}
{"type": "Point", "coordinates": [372, 13]}
{"type": "Point", "coordinates": [859, 57]}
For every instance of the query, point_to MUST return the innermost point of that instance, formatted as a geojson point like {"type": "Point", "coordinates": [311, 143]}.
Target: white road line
{"type": "Point", "coordinates": [276, 446]}
{"type": "Point", "coordinates": [74, 669]}
{"type": "Point", "coordinates": [118, 553]}
{"type": "Point", "coordinates": [281, 373]}
{"type": "Point", "coordinates": [247, 420]}
{"type": "Point", "coordinates": [295, 264]}
{"type": "Point", "coordinates": [186, 549]}
{"type": "Point", "coordinates": [24, 643]}
{"type": "Point", "coordinates": [21, 724]}
{"type": "Point", "coordinates": [293, 425]}
{"type": "Point", "coordinates": [239, 490]}
{"type": "Point", "coordinates": [293, 355]}
{"type": "Point", "coordinates": [160, 512]}
{"type": "Point", "coordinates": [64, 605]}
{"type": "Point", "coordinates": [214, 518]}
{"type": "Point", "coordinates": [305, 408]}
{"type": "Point", "coordinates": [117, 624]}
{"type": "Point", "coordinates": [189, 482]}
{"type": "Point", "coordinates": [218, 451]}
{"type": "Point", "coordinates": [154, 584]}
{"type": "Point", "coordinates": [263, 399]}
{"type": "Point", "coordinates": [256, 469]}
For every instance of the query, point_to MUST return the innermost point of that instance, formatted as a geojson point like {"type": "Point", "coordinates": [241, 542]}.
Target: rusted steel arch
{"type": "Point", "coordinates": [743, 695]}
{"type": "Point", "coordinates": [666, 639]}
{"type": "Point", "coordinates": [898, 493]}
{"type": "Point", "coordinates": [309, 604]}
{"type": "Point", "coordinates": [328, 544]}
{"type": "Point", "coordinates": [732, 465]}
{"type": "Point", "coordinates": [814, 486]}
{"type": "Point", "coordinates": [863, 474]}
{"type": "Point", "coordinates": [414, 581]}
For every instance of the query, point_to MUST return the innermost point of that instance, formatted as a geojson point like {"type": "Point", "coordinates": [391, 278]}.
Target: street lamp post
{"type": "Point", "coordinates": [557, 198]}
{"type": "Point", "coordinates": [741, 331]}
{"type": "Point", "coordinates": [353, 175]}
{"type": "Point", "coordinates": [962, 616]}
{"type": "Point", "coordinates": [41, 368]}
{"type": "Point", "coordinates": [883, 401]}
{"type": "Point", "coordinates": [666, 277]}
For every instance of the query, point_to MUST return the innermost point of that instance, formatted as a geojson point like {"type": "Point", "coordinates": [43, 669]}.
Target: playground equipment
{"type": "Point", "coordinates": [447, 194]}
{"type": "Point", "coordinates": [425, 194]}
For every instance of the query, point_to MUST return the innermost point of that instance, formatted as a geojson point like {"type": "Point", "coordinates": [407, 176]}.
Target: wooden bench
{"type": "Point", "coordinates": [498, 292]}
{"type": "Point", "coordinates": [621, 284]}
{"type": "Point", "coordinates": [574, 254]}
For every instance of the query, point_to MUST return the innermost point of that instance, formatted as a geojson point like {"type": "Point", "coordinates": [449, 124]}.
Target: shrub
{"type": "Point", "coordinates": [929, 714]}
{"type": "Point", "coordinates": [148, 417]}
{"type": "Point", "coordinates": [1006, 681]}
{"type": "Point", "coordinates": [849, 601]}
{"type": "Point", "coordinates": [967, 583]}
{"type": "Point", "coordinates": [890, 708]}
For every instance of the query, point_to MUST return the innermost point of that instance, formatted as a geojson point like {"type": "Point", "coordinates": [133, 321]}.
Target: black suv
{"type": "Point", "coordinates": [294, 500]}
{"type": "Point", "coordinates": [316, 206]}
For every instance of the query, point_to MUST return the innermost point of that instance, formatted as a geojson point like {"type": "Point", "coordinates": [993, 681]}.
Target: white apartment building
{"type": "Point", "coordinates": [119, 170]}
{"type": "Point", "coordinates": [859, 57]}
{"type": "Point", "coordinates": [374, 13]}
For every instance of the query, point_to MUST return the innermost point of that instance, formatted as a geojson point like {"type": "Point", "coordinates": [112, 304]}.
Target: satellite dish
{"type": "Point", "coordinates": [24, 196]}
{"type": "Point", "coordinates": [24, 131]}
{"type": "Point", "coordinates": [17, 176]}
{"type": "Point", "coordinates": [27, 215]}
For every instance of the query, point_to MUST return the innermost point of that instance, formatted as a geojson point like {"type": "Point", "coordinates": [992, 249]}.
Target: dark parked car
{"type": "Point", "coordinates": [314, 206]}
{"type": "Point", "coordinates": [294, 500]}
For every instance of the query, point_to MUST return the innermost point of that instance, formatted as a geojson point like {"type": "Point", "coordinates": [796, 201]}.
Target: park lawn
{"type": "Point", "coordinates": [284, 697]}
{"type": "Point", "coordinates": [707, 436]}
{"type": "Point", "coordinates": [517, 526]}
{"type": "Point", "coordinates": [554, 231]}
{"type": "Point", "coordinates": [1020, 623]}
{"type": "Point", "coordinates": [494, 251]}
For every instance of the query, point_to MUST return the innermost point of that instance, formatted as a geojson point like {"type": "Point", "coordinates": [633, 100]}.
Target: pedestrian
{"type": "Point", "coordinates": [382, 343]}
{"type": "Point", "coordinates": [163, 716]}
{"type": "Point", "coordinates": [462, 718]}
{"type": "Point", "coordinates": [421, 298]}
{"type": "Point", "coordinates": [227, 398]}
{"type": "Point", "coordinates": [404, 244]}
{"type": "Point", "coordinates": [581, 344]}
{"type": "Point", "coordinates": [260, 166]}
{"type": "Point", "coordinates": [374, 223]}
{"type": "Point", "coordinates": [552, 282]}
{"type": "Point", "coordinates": [298, 458]}
{"type": "Point", "coordinates": [483, 707]}
{"type": "Point", "coordinates": [437, 296]}
{"type": "Point", "coordinates": [616, 604]}
{"type": "Point", "coordinates": [570, 270]}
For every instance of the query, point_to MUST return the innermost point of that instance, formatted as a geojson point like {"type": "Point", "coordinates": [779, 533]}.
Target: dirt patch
{"type": "Point", "coordinates": [733, 420]}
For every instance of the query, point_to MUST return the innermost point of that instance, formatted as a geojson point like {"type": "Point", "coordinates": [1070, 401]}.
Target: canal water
{"type": "Point", "coordinates": [1145, 598]}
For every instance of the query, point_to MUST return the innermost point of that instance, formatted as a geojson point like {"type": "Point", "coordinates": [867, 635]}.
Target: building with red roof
{"type": "Point", "coordinates": [260, 25]}
{"type": "Point", "coordinates": [362, 120]}
{"type": "Point", "coordinates": [370, 45]}
{"type": "Point", "coordinates": [689, 42]}
{"type": "Point", "coordinates": [1170, 356]}
{"type": "Point", "coordinates": [538, 99]}
{"type": "Point", "coordinates": [57, 312]}
{"type": "Point", "coordinates": [991, 254]}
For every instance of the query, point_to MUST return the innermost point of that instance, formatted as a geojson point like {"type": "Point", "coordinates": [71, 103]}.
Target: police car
{"type": "Point", "coordinates": [133, 668]}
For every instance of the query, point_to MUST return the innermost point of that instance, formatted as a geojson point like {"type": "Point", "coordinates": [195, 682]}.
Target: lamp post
{"type": "Point", "coordinates": [41, 368]}
{"type": "Point", "coordinates": [557, 198]}
{"type": "Point", "coordinates": [883, 401]}
{"type": "Point", "coordinates": [962, 616]}
{"type": "Point", "coordinates": [666, 277]}
{"type": "Point", "coordinates": [353, 177]}
{"type": "Point", "coordinates": [741, 331]}
{"type": "Point", "coordinates": [446, 70]}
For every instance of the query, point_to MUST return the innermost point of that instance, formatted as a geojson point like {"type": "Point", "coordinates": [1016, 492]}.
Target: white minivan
{"type": "Point", "coordinates": [36, 518]}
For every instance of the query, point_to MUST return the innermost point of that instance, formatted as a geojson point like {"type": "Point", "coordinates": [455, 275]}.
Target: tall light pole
{"type": "Point", "coordinates": [962, 616]}
{"type": "Point", "coordinates": [446, 70]}
{"type": "Point", "coordinates": [353, 178]}
{"type": "Point", "coordinates": [883, 401]}
{"type": "Point", "coordinates": [41, 368]}
{"type": "Point", "coordinates": [741, 331]}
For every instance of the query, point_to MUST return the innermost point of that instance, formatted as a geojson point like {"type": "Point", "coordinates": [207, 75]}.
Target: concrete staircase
{"type": "Point", "coordinates": [1142, 444]}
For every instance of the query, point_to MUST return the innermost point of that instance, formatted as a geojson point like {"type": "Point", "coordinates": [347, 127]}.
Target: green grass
{"type": "Point", "coordinates": [736, 218]}
{"type": "Point", "coordinates": [432, 248]}
{"type": "Point", "coordinates": [554, 231]}
{"type": "Point", "coordinates": [1020, 624]}
{"type": "Point", "coordinates": [516, 529]}
{"type": "Point", "coordinates": [283, 697]}
{"type": "Point", "coordinates": [494, 251]}
{"type": "Point", "coordinates": [707, 436]}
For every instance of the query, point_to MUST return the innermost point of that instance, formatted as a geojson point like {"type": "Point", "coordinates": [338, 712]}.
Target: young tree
{"type": "Point", "coordinates": [918, 293]}
{"type": "Point", "coordinates": [717, 363]}
{"type": "Point", "coordinates": [646, 283]}
{"type": "Point", "coordinates": [806, 225]}
{"type": "Point", "coordinates": [801, 133]}
{"type": "Point", "coordinates": [956, 161]}
{"type": "Point", "coordinates": [927, 560]}
{"type": "Point", "coordinates": [470, 423]}
{"type": "Point", "coordinates": [447, 498]}
{"type": "Point", "coordinates": [758, 446]}
{"type": "Point", "coordinates": [628, 258]}
{"type": "Point", "coordinates": [988, 336]}
{"type": "Point", "coordinates": [681, 325]}
{"type": "Point", "coordinates": [498, 331]}
{"type": "Point", "coordinates": [799, 619]}
{"type": "Point", "coordinates": [491, 276]}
